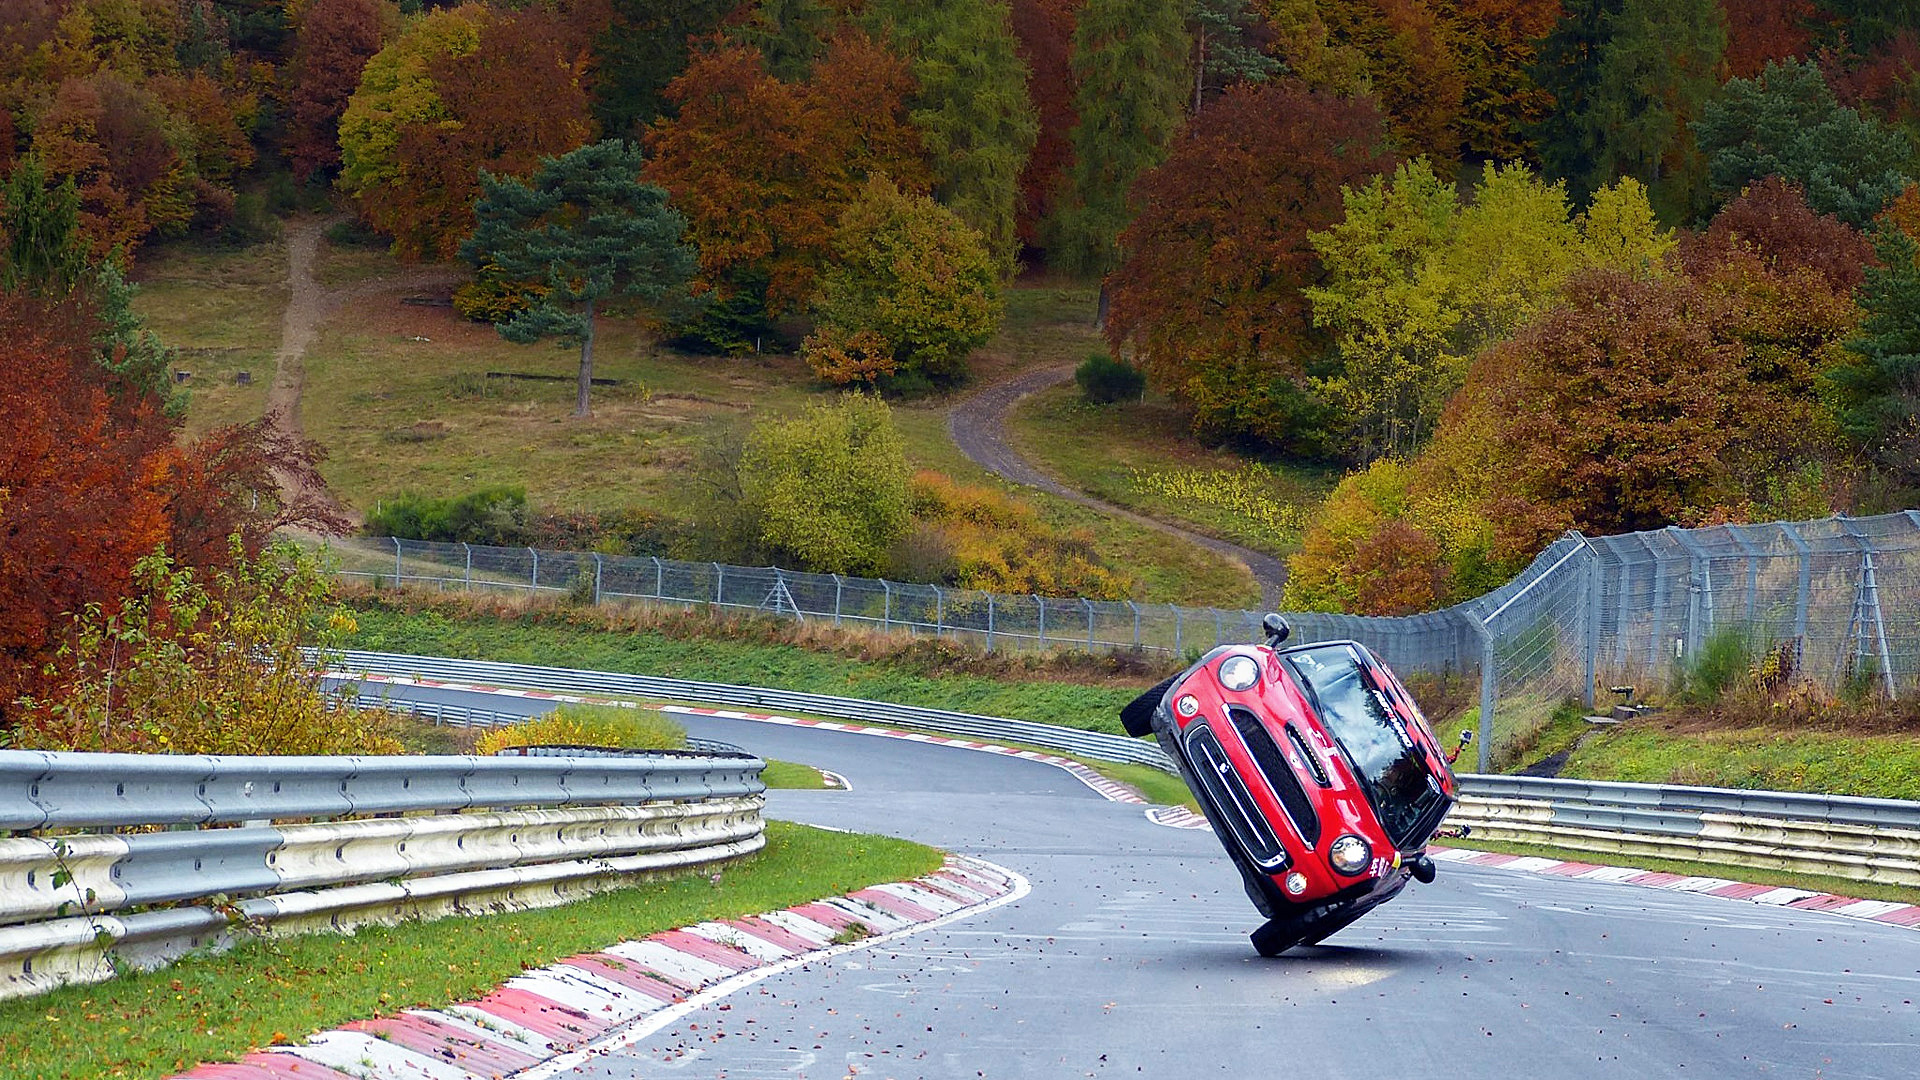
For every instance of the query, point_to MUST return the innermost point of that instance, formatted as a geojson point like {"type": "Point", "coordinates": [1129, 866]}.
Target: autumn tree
{"type": "Point", "coordinates": [1129, 68]}
{"type": "Point", "coordinates": [1658, 68]}
{"type": "Point", "coordinates": [516, 96]}
{"type": "Point", "coordinates": [911, 291]}
{"type": "Point", "coordinates": [109, 135]}
{"type": "Point", "coordinates": [1759, 31]}
{"type": "Point", "coordinates": [1208, 297]}
{"type": "Point", "coordinates": [762, 168]}
{"type": "Point", "coordinates": [81, 504]}
{"type": "Point", "coordinates": [828, 489]}
{"type": "Point", "coordinates": [1396, 50]}
{"type": "Point", "coordinates": [1227, 47]}
{"type": "Point", "coordinates": [1787, 123]}
{"type": "Point", "coordinates": [587, 230]}
{"type": "Point", "coordinates": [335, 40]}
{"type": "Point", "coordinates": [970, 106]}
{"type": "Point", "coordinates": [1494, 46]}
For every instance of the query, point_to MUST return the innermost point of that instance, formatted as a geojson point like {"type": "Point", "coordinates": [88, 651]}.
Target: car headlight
{"type": "Point", "coordinates": [1239, 672]}
{"type": "Point", "coordinates": [1349, 854]}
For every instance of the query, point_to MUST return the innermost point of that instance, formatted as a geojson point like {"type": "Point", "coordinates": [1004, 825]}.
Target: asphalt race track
{"type": "Point", "coordinates": [1129, 958]}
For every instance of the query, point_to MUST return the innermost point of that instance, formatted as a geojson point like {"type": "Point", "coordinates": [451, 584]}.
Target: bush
{"type": "Point", "coordinates": [492, 297]}
{"type": "Point", "coordinates": [610, 726]}
{"type": "Point", "coordinates": [491, 515]}
{"type": "Point", "coordinates": [186, 666]}
{"type": "Point", "coordinates": [1722, 664]}
{"type": "Point", "coordinates": [1104, 380]}
{"type": "Point", "coordinates": [989, 541]}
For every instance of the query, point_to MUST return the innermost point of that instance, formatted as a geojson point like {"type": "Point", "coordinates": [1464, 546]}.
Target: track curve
{"type": "Point", "coordinates": [1130, 957]}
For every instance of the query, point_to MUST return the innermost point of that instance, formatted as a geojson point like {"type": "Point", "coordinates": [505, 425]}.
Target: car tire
{"type": "Point", "coordinates": [1330, 926]}
{"type": "Point", "coordinates": [1274, 937]}
{"type": "Point", "coordinates": [1137, 716]}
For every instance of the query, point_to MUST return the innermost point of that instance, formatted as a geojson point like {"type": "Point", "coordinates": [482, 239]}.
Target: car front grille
{"type": "Point", "coordinates": [1228, 794]}
{"type": "Point", "coordinates": [1278, 774]}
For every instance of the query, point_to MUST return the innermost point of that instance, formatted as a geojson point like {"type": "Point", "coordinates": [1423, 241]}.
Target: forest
{"type": "Point", "coordinates": [1510, 266]}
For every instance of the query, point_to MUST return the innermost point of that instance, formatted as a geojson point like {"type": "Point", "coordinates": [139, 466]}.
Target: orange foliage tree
{"type": "Point", "coordinates": [335, 40]}
{"type": "Point", "coordinates": [763, 168]}
{"type": "Point", "coordinates": [1043, 31]}
{"type": "Point", "coordinates": [1208, 294]}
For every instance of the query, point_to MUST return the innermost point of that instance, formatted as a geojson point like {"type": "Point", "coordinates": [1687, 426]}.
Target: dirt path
{"type": "Point", "coordinates": [308, 305]}
{"type": "Point", "coordinates": [978, 427]}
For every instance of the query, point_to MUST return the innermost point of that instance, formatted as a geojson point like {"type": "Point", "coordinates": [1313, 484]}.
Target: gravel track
{"type": "Point", "coordinates": [978, 427]}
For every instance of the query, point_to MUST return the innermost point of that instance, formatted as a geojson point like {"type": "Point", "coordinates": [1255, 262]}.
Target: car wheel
{"type": "Point", "coordinates": [1330, 926]}
{"type": "Point", "coordinates": [1274, 937]}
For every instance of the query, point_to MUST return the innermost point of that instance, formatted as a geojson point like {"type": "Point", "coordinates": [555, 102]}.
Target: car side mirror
{"type": "Point", "coordinates": [1276, 629]}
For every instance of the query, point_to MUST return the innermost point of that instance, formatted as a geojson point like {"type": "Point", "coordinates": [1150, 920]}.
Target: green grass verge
{"type": "Point", "coordinates": [1100, 449]}
{"type": "Point", "coordinates": [530, 640]}
{"type": "Point", "coordinates": [217, 1008]}
{"type": "Point", "coordinates": [221, 311]}
{"type": "Point", "coordinates": [1758, 758]}
{"type": "Point", "coordinates": [1838, 886]}
{"type": "Point", "coordinates": [793, 775]}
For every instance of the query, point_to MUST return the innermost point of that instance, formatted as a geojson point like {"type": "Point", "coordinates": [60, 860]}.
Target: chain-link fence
{"type": "Point", "coordinates": [1836, 600]}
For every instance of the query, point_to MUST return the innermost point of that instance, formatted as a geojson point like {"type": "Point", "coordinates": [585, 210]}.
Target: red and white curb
{"type": "Point", "coordinates": [548, 1020]}
{"type": "Point", "coordinates": [1880, 911]}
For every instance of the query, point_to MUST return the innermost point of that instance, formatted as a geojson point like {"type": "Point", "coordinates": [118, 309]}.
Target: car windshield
{"type": "Point", "coordinates": [1358, 716]}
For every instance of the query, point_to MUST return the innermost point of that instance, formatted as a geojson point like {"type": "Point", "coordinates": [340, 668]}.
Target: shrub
{"type": "Point", "coordinates": [828, 488]}
{"type": "Point", "coordinates": [492, 297]}
{"type": "Point", "coordinates": [610, 726]}
{"type": "Point", "coordinates": [191, 666]}
{"type": "Point", "coordinates": [1724, 661]}
{"type": "Point", "coordinates": [492, 515]}
{"type": "Point", "coordinates": [1104, 380]}
{"type": "Point", "coordinates": [997, 544]}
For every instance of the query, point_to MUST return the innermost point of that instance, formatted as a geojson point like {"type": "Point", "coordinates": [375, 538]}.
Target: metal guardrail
{"type": "Point", "coordinates": [1833, 835]}
{"type": "Point", "coordinates": [1070, 740]}
{"type": "Point", "coordinates": [285, 844]}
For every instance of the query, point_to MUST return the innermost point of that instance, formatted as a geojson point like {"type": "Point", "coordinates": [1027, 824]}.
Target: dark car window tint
{"type": "Point", "coordinates": [1392, 771]}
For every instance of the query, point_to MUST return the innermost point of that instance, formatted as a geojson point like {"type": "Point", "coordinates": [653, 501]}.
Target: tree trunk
{"type": "Point", "coordinates": [581, 406]}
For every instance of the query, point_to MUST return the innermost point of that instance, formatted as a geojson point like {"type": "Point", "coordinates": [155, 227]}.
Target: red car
{"type": "Point", "coordinates": [1317, 770]}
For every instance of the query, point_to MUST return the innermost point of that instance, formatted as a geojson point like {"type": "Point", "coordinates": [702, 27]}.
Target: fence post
{"type": "Point", "coordinates": [1089, 604]}
{"type": "Point", "coordinates": [536, 567]}
{"type": "Point", "coordinates": [659, 579]}
{"type": "Point", "coordinates": [1592, 634]}
{"type": "Point", "coordinates": [1041, 605]}
{"type": "Point", "coordinates": [1699, 589]}
{"type": "Point", "coordinates": [1177, 649]}
{"type": "Point", "coordinates": [1489, 695]}
{"type": "Point", "coordinates": [1805, 596]}
{"type": "Point", "coordinates": [1219, 632]}
{"type": "Point", "coordinates": [1867, 601]}
{"type": "Point", "coordinates": [838, 585]}
{"type": "Point", "coordinates": [1659, 605]}
{"type": "Point", "coordinates": [597, 566]}
{"type": "Point", "coordinates": [1136, 623]}
{"type": "Point", "coordinates": [990, 597]}
{"type": "Point", "coordinates": [719, 586]}
{"type": "Point", "coordinates": [396, 561]}
{"type": "Point", "coordinates": [1623, 647]}
{"type": "Point", "coordinates": [469, 548]}
{"type": "Point", "coordinates": [886, 605]}
{"type": "Point", "coordinates": [939, 611]}
{"type": "Point", "coordinates": [1739, 534]}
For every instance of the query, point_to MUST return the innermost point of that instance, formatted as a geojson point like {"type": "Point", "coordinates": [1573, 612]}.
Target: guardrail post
{"type": "Point", "coordinates": [886, 605]}
{"type": "Point", "coordinates": [396, 561]}
{"type": "Point", "coordinates": [597, 566]}
{"type": "Point", "coordinates": [1804, 598]}
{"type": "Point", "coordinates": [837, 586]}
{"type": "Point", "coordinates": [469, 579]}
{"type": "Point", "coordinates": [1042, 606]}
{"type": "Point", "coordinates": [536, 567]}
